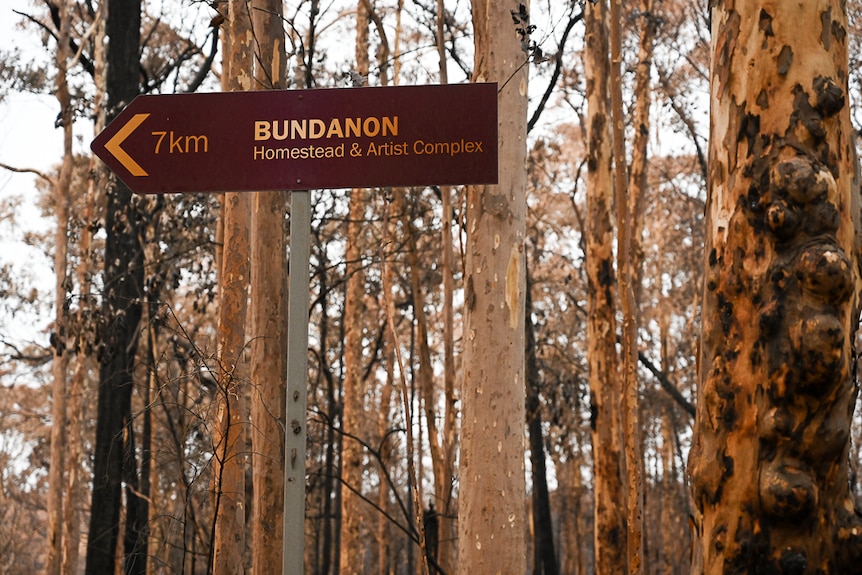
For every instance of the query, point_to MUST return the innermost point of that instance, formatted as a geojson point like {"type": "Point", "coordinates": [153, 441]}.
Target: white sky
{"type": "Point", "coordinates": [28, 139]}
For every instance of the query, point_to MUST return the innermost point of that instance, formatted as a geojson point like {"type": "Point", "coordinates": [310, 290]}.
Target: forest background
{"type": "Point", "coordinates": [387, 299]}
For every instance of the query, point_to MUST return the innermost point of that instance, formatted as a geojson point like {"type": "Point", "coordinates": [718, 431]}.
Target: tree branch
{"type": "Point", "coordinates": [558, 67]}
{"type": "Point", "coordinates": [666, 384]}
{"type": "Point", "coordinates": [38, 173]}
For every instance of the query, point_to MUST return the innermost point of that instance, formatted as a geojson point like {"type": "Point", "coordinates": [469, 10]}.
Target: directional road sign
{"type": "Point", "coordinates": [305, 139]}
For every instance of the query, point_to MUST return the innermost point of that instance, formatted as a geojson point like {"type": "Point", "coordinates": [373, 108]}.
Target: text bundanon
{"type": "Point", "coordinates": [330, 136]}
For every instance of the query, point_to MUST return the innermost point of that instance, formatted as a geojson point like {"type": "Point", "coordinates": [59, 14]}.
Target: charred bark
{"type": "Point", "coordinates": [604, 378]}
{"type": "Point", "coordinates": [123, 285]}
{"type": "Point", "coordinates": [544, 555]}
{"type": "Point", "coordinates": [768, 467]}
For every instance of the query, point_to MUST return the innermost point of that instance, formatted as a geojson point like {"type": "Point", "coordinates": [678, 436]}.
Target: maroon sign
{"type": "Point", "coordinates": [305, 139]}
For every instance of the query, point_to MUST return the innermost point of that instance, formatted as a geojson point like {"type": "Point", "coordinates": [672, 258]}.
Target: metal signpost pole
{"type": "Point", "coordinates": [297, 382]}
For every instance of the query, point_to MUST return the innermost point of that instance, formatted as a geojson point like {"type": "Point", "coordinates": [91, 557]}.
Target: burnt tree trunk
{"type": "Point", "coordinates": [769, 464]}
{"type": "Point", "coordinates": [123, 291]}
{"type": "Point", "coordinates": [605, 389]}
{"type": "Point", "coordinates": [544, 556]}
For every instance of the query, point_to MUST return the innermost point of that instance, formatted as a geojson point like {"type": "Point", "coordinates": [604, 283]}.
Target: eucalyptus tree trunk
{"type": "Point", "coordinates": [632, 445]}
{"type": "Point", "coordinates": [637, 176]}
{"type": "Point", "coordinates": [385, 544]}
{"type": "Point", "coordinates": [268, 320]}
{"type": "Point", "coordinates": [634, 212]}
{"type": "Point", "coordinates": [352, 542]}
{"type": "Point", "coordinates": [769, 460]}
{"type": "Point", "coordinates": [76, 476]}
{"type": "Point", "coordinates": [229, 529]}
{"type": "Point", "coordinates": [56, 482]}
{"type": "Point", "coordinates": [449, 437]}
{"type": "Point", "coordinates": [492, 518]}
{"type": "Point", "coordinates": [441, 467]}
{"type": "Point", "coordinates": [229, 434]}
{"type": "Point", "coordinates": [604, 377]}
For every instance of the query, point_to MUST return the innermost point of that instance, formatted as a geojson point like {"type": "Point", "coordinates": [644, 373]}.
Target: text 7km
{"type": "Point", "coordinates": [181, 144]}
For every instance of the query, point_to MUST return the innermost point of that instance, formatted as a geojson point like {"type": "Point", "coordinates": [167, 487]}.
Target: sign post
{"type": "Point", "coordinates": [301, 140]}
{"type": "Point", "coordinates": [295, 432]}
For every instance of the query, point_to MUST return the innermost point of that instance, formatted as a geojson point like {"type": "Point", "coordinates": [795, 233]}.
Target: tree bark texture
{"type": "Point", "coordinates": [229, 432]}
{"type": "Point", "coordinates": [355, 425]}
{"type": "Point", "coordinates": [387, 549]}
{"type": "Point", "coordinates": [268, 320]}
{"type": "Point", "coordinates": [352, 544]}
{"type": "Point", "coordinates": [769, 463]}
{"type": "Point", "coordinates": [604, 376]}
{"type": "Point", "coordinates": [632, 442]}
{"type": "Point", "coordinates": [56, 481]}
{"type": "Point", "coordinates": [229, 541]}
{"type": "Point", "coordinates": [123, 291]}
{"type": "Point", "coordinates": [491, 527]}
{"type": "Point", "coordinates": [76, 477]}
{"type": "Point", "coordinates": [637, 174]}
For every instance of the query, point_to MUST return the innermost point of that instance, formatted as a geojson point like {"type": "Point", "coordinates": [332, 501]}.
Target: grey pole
{"type": "Point", "coordinates": [297, 384]}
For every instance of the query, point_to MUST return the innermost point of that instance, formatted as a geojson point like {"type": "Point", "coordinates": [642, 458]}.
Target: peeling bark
{"type": "Point", "coordinates": [230, 432]}
{"type": "Point", "coordinates": [630, 417]}
{"type": "Point", "coordinates": [268, 320]}
{"type": "Point", "coordinates": [605, 392]}
{"type": "Point", "coordinates": [768, 467]}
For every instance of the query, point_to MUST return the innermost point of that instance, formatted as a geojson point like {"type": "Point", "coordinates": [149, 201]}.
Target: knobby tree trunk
{"type": "Point", "coordinates": [769, 462]}
{"type": "Point", "coordinates": [604, 377]}
{"type": "Point", "coordinates": [268, 320]}
{"type": "Point", "coordinates": [491, 526]}
{"type": "Point", "coordinates": [121, 310]}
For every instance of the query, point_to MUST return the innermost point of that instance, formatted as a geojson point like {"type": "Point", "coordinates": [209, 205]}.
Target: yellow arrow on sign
{"type": "Point", "coordinates": [113, 145]}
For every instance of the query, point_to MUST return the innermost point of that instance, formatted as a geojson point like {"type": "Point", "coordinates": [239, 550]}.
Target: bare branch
{"type": "Point", "coordinates": [38, 173]}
